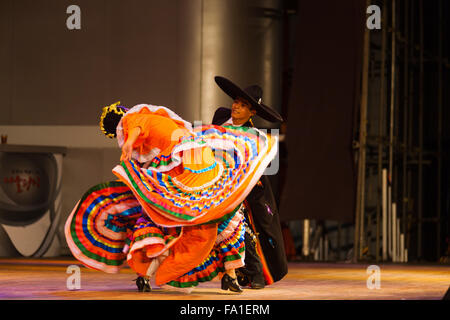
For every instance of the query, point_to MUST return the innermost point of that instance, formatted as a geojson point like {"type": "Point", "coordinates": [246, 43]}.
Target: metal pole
{"type": "Point", "coordinates": [339, 235]}
{"type": "Point", "coordinates": [359, 221]}
{"type": "Point", "coordinates": [411, 75]}
{"type": "Point", "coordinates": [385, 218]}
{"type": "Point", "coordinates": [389, 219]}
{"type": "Point", "coordinates": [439, 133]}
{"type": "Point", "coordinates": [394, 232]}
{"type": "Point", "coordinates": [402, 247]}
{"type": "Point", "coordinates": [405, 117]}
{"type": "Point", "coordinates": [357, 214]}
{"type": "Point", "coordinates": [398, 249]}
{"type": "Point", "coordinates": [396, 122]}
{"type": "Point", "coordinates": [380, 129]}
{"type": "Point", "coordinates": [391, 120]}
{"type": "Point", "coordinates": [306, 245]}
{"type": "Point", "coordinates": [320, 248]}
{"type": "Point", "coordinates": [420, 169]}
{"type": "Point", "coordinates": [391, 117]}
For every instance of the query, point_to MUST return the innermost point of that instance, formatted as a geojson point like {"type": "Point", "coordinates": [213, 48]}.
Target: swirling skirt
{"type": "Point", "coordinates": [108, 229]}
{"type": "Point", "coordinates": [187, 193]}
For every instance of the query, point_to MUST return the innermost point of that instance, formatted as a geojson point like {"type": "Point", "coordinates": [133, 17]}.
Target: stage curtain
{"type": "Point", "coordinates": [322, 111]}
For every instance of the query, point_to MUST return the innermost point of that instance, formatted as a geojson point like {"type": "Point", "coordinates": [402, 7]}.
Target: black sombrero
{"type": "Point", "coordinates": [252, 94]}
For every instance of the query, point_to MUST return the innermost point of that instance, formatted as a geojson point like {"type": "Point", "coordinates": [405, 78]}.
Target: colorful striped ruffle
{"type": "Point", "coordinates": [97, 229]}
{"type": "Point", "coordinates": [221, 166]}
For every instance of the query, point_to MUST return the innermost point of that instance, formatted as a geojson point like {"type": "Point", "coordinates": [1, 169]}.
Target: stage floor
{"type": "Point", "coordinates": [47, 279]}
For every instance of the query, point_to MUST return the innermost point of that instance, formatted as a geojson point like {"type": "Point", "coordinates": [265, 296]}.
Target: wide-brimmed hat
{"type": "Point", "coordinates": [253, 94]}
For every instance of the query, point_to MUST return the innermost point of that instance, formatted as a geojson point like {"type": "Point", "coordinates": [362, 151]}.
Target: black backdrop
{"type": "Point", "coordinates": [325, 95]}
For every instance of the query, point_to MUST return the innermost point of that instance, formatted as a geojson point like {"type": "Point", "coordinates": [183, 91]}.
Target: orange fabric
{"type": "Point", "coordinates": [150, 251]}
{"type": "Point", "coordinates": [140, 262]}
{"type": "Point", "coordinates": [158, 130]}
{"type": "Point", "coordinates": [197, 159]}
{"type": "Point", "coordinates": [194, 246]}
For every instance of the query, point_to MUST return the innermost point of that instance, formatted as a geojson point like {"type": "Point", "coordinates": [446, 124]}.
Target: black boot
{"type": "Point", "coordinates": [143, 284]}
{"type": "Point", "coordinates": [228, 283]}
{"type": "Point", "coordinates": [257, 282]}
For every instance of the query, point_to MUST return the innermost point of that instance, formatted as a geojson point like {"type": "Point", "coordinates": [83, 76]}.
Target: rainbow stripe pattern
{"type": "Point", "coordinates": [98, 228]}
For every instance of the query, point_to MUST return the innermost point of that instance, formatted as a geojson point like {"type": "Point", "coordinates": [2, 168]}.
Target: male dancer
{"type": "Point", "coordinates": [265, 258]}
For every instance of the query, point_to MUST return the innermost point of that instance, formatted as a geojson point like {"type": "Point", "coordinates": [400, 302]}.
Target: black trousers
{"type": "Point", "coordinates": [253, 266]}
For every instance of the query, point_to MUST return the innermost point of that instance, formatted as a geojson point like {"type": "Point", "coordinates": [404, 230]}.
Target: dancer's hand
{"type": "Point", "coordinates": [127, 150]}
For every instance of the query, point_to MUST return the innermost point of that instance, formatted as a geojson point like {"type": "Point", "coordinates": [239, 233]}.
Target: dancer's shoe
{"type": "Point", "coordinates": [257, 282]}
{"type": "Point", "coordinates": [228, 283]}
{"type": "Point", "coordinates": [143, 284]}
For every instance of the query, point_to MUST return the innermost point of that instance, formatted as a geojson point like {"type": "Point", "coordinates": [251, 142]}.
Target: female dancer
{"type": "Point", "coordinates": [174, 213]}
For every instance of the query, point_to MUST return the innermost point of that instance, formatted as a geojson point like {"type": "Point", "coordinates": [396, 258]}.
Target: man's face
{"type": "Point", "coordinates": [241, 111]}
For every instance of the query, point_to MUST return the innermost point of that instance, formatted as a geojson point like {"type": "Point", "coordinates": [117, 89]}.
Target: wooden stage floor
{"type": "Point", "coordinates": [45, 279]}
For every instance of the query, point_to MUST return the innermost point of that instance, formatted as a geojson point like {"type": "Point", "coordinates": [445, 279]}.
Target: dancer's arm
{"type": "Point", "coordinates": [127, 147]}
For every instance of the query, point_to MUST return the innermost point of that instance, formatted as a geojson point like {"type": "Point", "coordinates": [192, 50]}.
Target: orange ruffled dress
{"type": "Point", "coordinates": [175, 212]}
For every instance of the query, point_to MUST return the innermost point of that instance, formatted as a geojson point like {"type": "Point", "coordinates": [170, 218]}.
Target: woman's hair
{"type": "Point", "coordinates": [110, 118]}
